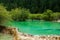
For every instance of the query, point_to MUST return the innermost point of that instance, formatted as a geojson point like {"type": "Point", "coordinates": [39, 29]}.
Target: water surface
{"type": "Point", "coordinates": [38, 27]}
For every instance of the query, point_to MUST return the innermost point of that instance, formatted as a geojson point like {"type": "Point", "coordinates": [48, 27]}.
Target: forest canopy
{"type": "Point", "coordinates": [21, 10]}
{"type": "Point", "coordinates": [35, 6]}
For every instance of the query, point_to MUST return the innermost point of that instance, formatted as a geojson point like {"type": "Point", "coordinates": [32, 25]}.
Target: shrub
{"type": "Point", "coordinates": [55, 16]}
{"type": "Point", "coordinates": [19, 14]}
{"type": "Point", "coordinates": [47, 15]}
{"type": "Point", "coordinates": [4, 15]}
{"type": "Point", "coordinates": [35, 16]}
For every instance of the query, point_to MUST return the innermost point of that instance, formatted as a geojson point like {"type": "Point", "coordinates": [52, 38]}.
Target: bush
{"type": "Point", "coordinates": [4, 15]}
{"type": "Point", "coordinates": [35, 16]}
{"type": "Point", "coordinates": [47, 15]}
{"type": "Point", "coordinates": [20, 14]}
{"type": "Point", "coordinates": [55, 16]}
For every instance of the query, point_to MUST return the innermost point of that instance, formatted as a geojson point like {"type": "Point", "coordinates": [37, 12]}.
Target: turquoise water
{"type": "Point", "coordinates": [38, 27]}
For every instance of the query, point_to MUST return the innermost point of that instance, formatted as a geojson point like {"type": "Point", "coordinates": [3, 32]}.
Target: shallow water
{"type": "Point", "coordinates": [37, 27]}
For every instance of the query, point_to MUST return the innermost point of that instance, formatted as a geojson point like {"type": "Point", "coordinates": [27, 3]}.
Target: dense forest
{"type": "Point", "coordinates": [35, 6]}
{"type": "Point", "coordinates": [22, 10]}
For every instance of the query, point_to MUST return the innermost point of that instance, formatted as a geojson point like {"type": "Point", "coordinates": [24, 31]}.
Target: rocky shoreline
{"type": "Point", "coordinates": [58, 21]}
{"type": "Point", "coordinates": [24, 36]}
{"type": "Point", "coordinates": [37, 37]}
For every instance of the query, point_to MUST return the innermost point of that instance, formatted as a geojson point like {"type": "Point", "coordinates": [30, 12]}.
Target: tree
{"type": "Point", "coordinates": [4, 15]}
{"type": "Point", "coordinates": [35, 6]}
{"type": "Point", "coordinates": [47, 15]}
{"type": "Point", "coordinates": [20, 14]}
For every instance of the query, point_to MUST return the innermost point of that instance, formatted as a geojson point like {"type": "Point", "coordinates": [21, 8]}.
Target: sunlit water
{"type": "Point", "coordinates": [37, 27]}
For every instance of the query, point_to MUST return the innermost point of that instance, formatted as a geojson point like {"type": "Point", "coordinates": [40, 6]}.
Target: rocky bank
{"type": "Point", "coordinates": [23, 36]}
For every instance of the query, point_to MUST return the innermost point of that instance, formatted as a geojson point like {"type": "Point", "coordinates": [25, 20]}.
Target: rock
{"type": "Point", "coordinates": [23, 36]}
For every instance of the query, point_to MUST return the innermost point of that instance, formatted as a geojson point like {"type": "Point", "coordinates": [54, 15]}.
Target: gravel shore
{"type": "Point", "coordinates": [58, 21]}
{"type": "Point", "coordinates": [23, 36]}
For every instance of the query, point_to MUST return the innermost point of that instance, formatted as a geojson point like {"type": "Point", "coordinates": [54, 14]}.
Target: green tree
{"type": "Point", "coordinates": [20, 14]}
{"type": "Point", "coordinates": [35, 6]}
{"type": "Point", "coordinates": [4, 15]}
{"type": "Point", "coordinates": [47, 15]}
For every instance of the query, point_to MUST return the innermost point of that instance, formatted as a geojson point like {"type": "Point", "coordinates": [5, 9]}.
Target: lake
{"type": "Point", "coordinates": [37, 27]}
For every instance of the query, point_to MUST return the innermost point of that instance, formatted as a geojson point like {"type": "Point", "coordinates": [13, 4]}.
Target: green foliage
{"type": "Point", "coordinates": [47, 15]}
{"type": "Point", "coordinates": [55, 16]}
{"type": "Point", "coordinates": [20, 14]}
{"type": "Point", "coordinates": [35, 6]}
{"type": "Point", "coordinates": [35, 16]}
{"type": "Point", "coordinates": [4, 15]}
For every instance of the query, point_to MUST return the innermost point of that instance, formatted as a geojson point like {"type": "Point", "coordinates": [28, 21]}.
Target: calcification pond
{"type": "Point", "coordinates": [37, 27]}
